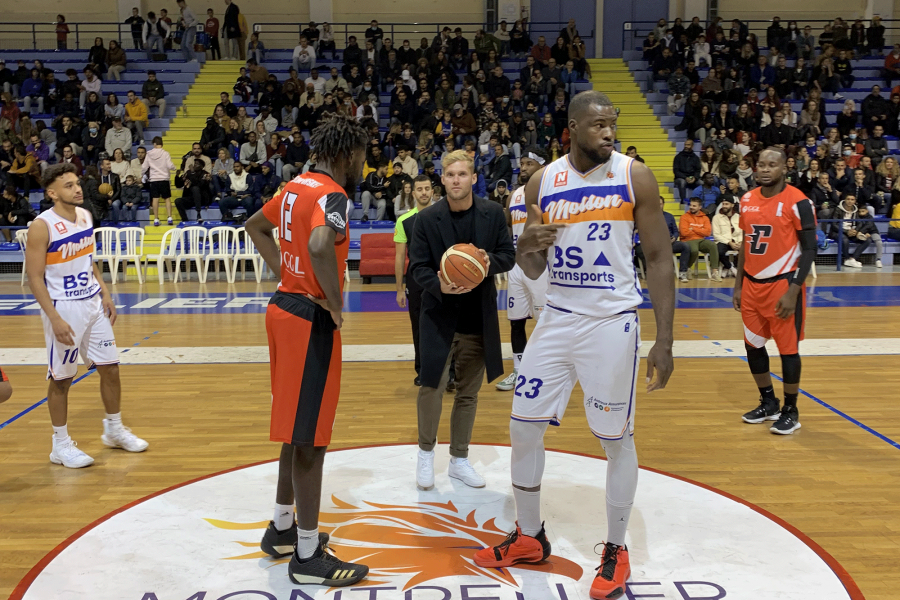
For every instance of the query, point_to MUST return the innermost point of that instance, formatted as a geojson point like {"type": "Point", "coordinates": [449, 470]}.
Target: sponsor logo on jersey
{"type": "Point", "coordinates": [336, 219]}
{"type": "Point", "coordinates": [308, 182]}
{"type": "Point", "coordinates": [560, 210]}
{"type": "Point", "coordinates": [749, 208]}
{"type": "Point", "coordinates": [61, 227]}
{"type": "Point", "coordinates": [106, 343]}
{"type": "Point", "coordinates": [72, 248]}
{"type": "Point", "coordinates": [562, 178]}
{"type": "Point", "coordinates": [610, 175]}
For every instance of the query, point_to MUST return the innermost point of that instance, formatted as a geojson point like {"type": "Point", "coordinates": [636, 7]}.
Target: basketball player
{"type": "Point", "coordinates": [303, 322]}
{"type": "Point", "coordinates": [410, 292]}
{"type": "Point", "coordinates": [77, 312]}
{"type": "Point", "coordinates": [525, 298]}
{"type": "Point", "coordinates": [582, 213]}
{"type": "Point", "coordinates": [5, 387]}
{"type": "Point", "coordinates": [779, 225]}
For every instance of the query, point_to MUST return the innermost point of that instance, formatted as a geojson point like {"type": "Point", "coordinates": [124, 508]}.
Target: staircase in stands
{"type": "Point", "coordinates": [638, 125]}
{"type": "Point", "coordinates": [215, 77]}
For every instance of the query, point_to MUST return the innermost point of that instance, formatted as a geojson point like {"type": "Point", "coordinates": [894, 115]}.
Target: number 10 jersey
{"type": "Point", "coordinates": [591, 268]}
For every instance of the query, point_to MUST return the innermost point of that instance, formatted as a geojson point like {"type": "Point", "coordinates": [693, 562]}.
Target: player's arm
{"type": "Point", "coordinates": [787, 304]}
{"type": "Point", "coordinates": [648, 218]}
{"type": "Point", "coordinates": [109, 306]}
{"type": "Point", "coordinates": [531, 247]}
{"type": "Point", "coordinates": [35, 265]}
{"type": "Point", "coordinates": [399, 263]}
{"type": "Point", "coordinates": [739, 280]}
{"type": "Point", "coordinates": [325, 267]}
{"type": "Point", "coordinates": [259, 228]}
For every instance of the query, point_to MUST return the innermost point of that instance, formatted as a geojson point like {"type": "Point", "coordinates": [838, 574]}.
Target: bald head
{"type": "Point", "coordinates": [584, 101]}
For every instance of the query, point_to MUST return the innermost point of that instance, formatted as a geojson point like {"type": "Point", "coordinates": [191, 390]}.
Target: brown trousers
{"type": "Point", "coordinates": [468, 350]}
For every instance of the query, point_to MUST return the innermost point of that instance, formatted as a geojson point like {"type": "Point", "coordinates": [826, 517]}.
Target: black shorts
{"type": "Point", "coordinates": [160, 189]}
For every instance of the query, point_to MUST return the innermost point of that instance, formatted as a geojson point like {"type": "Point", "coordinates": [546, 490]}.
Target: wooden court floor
{"type": "Point", "coordinates": [834, 481]}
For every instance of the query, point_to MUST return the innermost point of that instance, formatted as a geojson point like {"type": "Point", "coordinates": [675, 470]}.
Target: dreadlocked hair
{"type": "Point", "coordinates": [337, 138]}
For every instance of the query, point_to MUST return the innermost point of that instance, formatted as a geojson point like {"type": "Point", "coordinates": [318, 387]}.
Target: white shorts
{"type": "Point", "coordinates": [525, 298]}
{"type": "Point", "coordinates": [601, 353]}
{"type": "Point", "coordinates": [94, 339]}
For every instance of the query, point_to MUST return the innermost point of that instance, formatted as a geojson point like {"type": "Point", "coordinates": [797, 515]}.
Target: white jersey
{"type": "Point", "coordinates": [69, 274]}
{"type": "Point", "coordinates": [591, 265]}
{"type": "Point", "coordinates": [518, 214]}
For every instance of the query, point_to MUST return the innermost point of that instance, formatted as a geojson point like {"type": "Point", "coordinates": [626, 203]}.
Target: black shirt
{"type": "Point", "coordinates": [468, 305]}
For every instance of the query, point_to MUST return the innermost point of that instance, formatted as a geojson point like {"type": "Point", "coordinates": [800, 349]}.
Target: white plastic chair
{"type": "Point", "coordinates": [192, 247]}
{"type": "Point", "coordinates": [107, 248]}
{"type": "Point", "coordinates": [248, 252]}
{"type": "Point", "coordinates": [222, 247]}
{"type": "Point", "coordinates": [166, 257]}
{"type": "Point", "coordinates": [132, 238]}
{"type": "Point", "coordinates": [22, 239]}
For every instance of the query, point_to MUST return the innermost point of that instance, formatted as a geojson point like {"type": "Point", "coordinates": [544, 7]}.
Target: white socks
{"type": "Point", "coordinates": [61, 434]}
{"type": "Point", "coordinates": [621, 485]}
{"type": "Point", "coordinates": [517, 359]}
{"type": "Point", "coordinates": [115, 419]}
{"type": "Point", "coordinates": [528, 511]}
{"type": "Point", "coordinates": [307, 542]}
{"type": "Point", "coordinates": [284, 516]}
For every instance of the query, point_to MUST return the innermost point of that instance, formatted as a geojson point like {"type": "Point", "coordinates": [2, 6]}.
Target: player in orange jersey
{"type": "Point", "coordinates": [303, 322]}
{"type": "Point", "coordinates": [779, 248]}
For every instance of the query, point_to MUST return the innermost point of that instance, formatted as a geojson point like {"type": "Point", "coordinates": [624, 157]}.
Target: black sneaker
{"type": "Point", "coordinates": [788, 422]}
{"type": "Point", "coordinates": [279, 544]}
{"type": "Point", "coordinates": [417, 381]}
{"type": "Point", "coordinates": [323, 568]}
{"type": "Point", "coordinates": [766, 411]}
{"type": "Point", "coordinates": [451, 385]}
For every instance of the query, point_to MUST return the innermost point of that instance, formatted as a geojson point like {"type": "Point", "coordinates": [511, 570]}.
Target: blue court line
{"type": "Point", "coordinates": [836, 411]}
{"type": "Point", "coordinates": [12, 420]}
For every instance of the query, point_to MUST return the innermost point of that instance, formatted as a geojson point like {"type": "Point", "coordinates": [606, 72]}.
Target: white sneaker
{"type": "Point", "coordinates": [878, 264]}
{"type": "Point", "coordinates": [850, 262]}
{"type": "Point", "coordinates": [509, 383]}
{"type": "Point", "coordinates": [67, 454]}
{"type": "Point", "coordinates": [715, 275]}
{"type": "Point", "coordinates": [156, 222]}
{"type": "Point", "coordinates": [462, 470]}
{"type": "Point", "coordinates": [734, 271]}
{"type": "Point", "coordinates": [838, 97]}
{"type": "Point", "coordinates": [683, 277]}
{"type": "Point", "coordinates": [169, 222]}
{"type": "Point", "coordinates": [119, 436]}
{"type": "Point", "coordinates": [425, 470]}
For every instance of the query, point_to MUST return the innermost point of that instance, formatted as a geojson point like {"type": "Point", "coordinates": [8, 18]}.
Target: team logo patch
{"type": "Point", "coordinates": [61, 227]}
{"type": "Point", "coordinates": [562, 178]}
{"type": "Point", "coordinates": [610, 175]}
{"type": "Point", "coordinates": [336, 219]}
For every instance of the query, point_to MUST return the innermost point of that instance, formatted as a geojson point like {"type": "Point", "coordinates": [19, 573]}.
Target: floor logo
{"type": "Point", "coordinates": [200, 540]}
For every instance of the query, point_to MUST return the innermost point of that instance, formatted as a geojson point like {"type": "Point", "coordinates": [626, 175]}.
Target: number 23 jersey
{"type": "Point", "coordinates": [591, 269]}
{"type": "Point", "coordinates": [770, 225]}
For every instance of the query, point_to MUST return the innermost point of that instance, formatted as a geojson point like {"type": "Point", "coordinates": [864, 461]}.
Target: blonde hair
{"type": "Point", "coordinates": [458, 156]}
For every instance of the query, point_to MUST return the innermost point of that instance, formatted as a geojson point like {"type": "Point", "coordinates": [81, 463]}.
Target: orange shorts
{"type": "Point", "coordinates": [758, 302]}
{"type": "Point", "coordinates": [305, 361]}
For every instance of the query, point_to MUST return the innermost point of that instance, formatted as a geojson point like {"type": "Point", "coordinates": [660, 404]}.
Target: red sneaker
{"type": "Point", "coordinates": [613, 572]}
{"type": "Point", "coordinates": [517, 548]}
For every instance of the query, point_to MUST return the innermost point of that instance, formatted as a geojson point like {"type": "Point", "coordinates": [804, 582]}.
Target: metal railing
{"type": "Point", "coordinates": [42, 36]}
{"type": "Point", "coordinates": [635, 32]}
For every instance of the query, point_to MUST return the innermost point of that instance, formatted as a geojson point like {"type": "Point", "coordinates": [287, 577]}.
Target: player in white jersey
{"type": "Point", "coordinates": [524, 297]}
{"type": "Point", "coordinates": [582, 212]}
{"type": "Point", "coordinates": [77, 311]}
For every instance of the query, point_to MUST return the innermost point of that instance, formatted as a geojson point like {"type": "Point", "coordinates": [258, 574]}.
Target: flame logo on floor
{"type": "Point", "coordinates": [420, 542]}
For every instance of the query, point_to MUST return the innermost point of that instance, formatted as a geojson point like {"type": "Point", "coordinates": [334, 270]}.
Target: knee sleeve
{"type": "Point", "coordinates": [758, 358]}
{"type": "Point", "coordinates": [527, 464]}
{"type": "Point", "coordinates": [621, 471]}
{"type": "Point", "coordinates": [517, 336]}
{"type": "Point", "coordinates": [790, 368]}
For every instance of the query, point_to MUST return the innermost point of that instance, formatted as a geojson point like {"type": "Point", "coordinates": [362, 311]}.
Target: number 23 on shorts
{"type": "Point", "coordinates": [533, 391]}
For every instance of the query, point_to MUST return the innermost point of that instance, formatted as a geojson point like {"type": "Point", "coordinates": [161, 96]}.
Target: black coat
{"type": "Point", "coordinates": [432, 236]}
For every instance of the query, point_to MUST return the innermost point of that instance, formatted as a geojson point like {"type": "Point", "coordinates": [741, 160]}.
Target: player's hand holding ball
{"type": "Point", "coordinates": [463, 268]}
{"type": "Point", "coordinates": [538, 237]}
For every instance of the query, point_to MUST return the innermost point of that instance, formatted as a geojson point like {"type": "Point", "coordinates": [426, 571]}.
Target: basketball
{"type": "Point", "coordinates": [105, 189]}
{"type": "Point", "coordinates": [462, 265]}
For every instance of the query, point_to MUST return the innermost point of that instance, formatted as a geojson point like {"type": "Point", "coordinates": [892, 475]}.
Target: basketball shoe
{"type": "Point", "coordinates": [279, 544]}
{"type": "Point", "coordinates": [116, 435]}
{"type": "Point", "coordinates": [766, 411]}
{"type": "Point", "coordinates": [516, 548]}
{"type": "Point", "coordinates": [67, 454]}
{"type": "Point", "coordinates": [788, 422]}
{"type": "Point", "coordinates": [613, 572]}
{"type": "Point", "coordinates": [323, 568]}
{"type": "Point", "coordinates": [509, 383]}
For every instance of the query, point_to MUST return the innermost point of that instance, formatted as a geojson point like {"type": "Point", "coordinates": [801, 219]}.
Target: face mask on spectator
{"type": "Point", "coordinates": [852, 136]}
{"type": "Point", "coordinates": [848, 152]}
{"type": "Point", "coordinates": [93, 130]}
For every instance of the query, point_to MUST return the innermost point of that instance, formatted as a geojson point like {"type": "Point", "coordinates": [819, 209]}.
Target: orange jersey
{"type": "Point", "coordinates": [770, 225]}
{"type": "Point", "coordinates": [308, 201]}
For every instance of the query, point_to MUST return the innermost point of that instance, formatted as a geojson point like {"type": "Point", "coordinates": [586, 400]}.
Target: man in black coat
{"type": "Point", "coordinates": [457, 323]}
